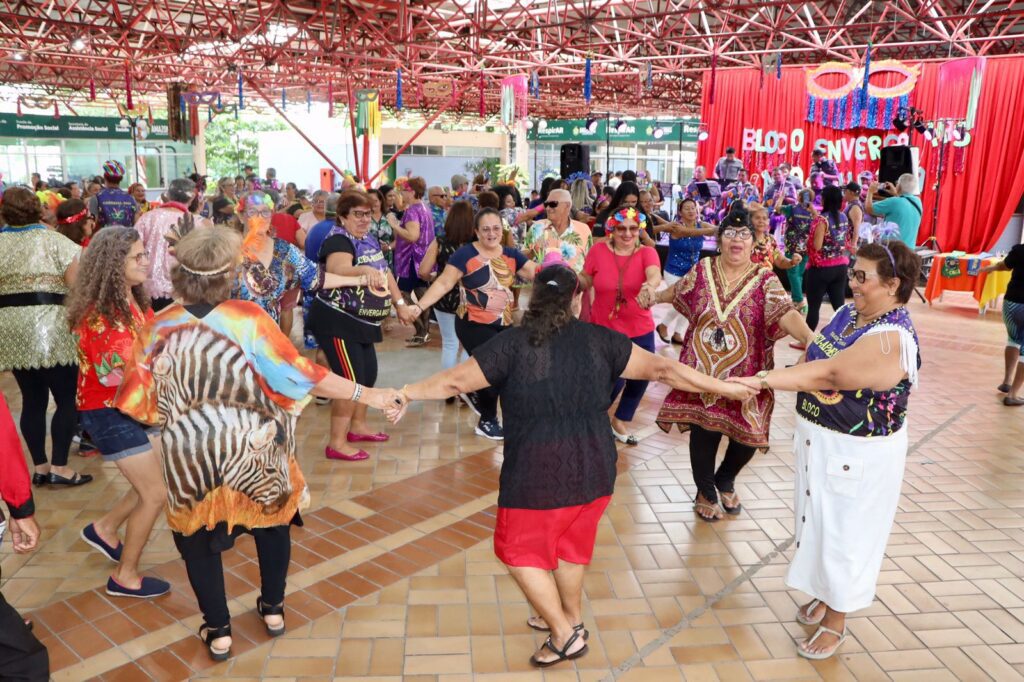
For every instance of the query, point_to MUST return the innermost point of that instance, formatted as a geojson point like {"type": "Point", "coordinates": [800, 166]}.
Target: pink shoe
{"type": "Point", "coordinates": [367, 437]}
{"type": "Point", "coordinates": [331, 453]}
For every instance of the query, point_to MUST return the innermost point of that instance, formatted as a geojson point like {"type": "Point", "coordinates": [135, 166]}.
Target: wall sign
{"type": "Point", "coordinates": [637, 130]}
{"type": "Point", "coordinates": [74, 127]}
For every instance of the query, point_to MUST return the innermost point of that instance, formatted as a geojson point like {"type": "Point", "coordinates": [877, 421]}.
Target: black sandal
{"type": "Point", "coordinates": [212, 634]}
{"type": "Point", "coordinates": [562, 655]}
{"type": "Point", "coordinates": [77, 479]}
{"type": "Point", "coordinates": [266, 610]}
{"type": "Point", "coordinates": [578, 628]}
{"type": "Point", "coordinates": [729, 510]}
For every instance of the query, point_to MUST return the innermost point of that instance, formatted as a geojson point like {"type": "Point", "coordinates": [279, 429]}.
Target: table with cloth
{"type": "Point", "coordinates": [986, 287]}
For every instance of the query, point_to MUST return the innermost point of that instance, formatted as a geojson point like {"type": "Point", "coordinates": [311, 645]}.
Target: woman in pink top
{"type": "Point", "coordinates": [621, 271]}
{"type": "Point", "coordinates": [827, 256]}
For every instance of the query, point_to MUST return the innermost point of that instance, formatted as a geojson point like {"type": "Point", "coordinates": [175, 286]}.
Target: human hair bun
{"type": "Point", "coordinates": [551, 303]}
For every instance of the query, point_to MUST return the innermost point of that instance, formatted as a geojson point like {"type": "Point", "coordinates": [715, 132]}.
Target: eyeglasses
{"type": "Point", "coordinates": [552, 204]}
{"type": "Point", "coordinates": [140, 257]}
{"type": "Point", "coordinates": [359, 215]}
{"type": "Point", "coordinates": [253, 212]}
{"type": "Point", "coordinates": [742, 233]}
{"type": "Point", "coordinates": [861, 276]}
{"type": "Point", "coordinates": [438, 196]}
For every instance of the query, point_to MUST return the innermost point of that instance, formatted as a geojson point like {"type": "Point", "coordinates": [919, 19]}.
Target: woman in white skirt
{"type": "Point", "coordinates": [851, 441]}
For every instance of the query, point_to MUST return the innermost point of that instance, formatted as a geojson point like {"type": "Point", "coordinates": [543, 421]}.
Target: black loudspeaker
{"type": "Point", "coordinates": [894, 162]}
{"type": "Point", "coordinates": [575, 159]}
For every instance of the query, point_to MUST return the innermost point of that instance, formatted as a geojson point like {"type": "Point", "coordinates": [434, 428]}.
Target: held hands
{"type": "Point", "coordinates": [751, 385]}
{"type": "Point", "coordinates": [388, 400]}
{"type": "Point", "coordinates": [407, 314]}
{"type": "Point", "coordinates": [797, 259]}
{"type": "Point", "coordinates": [374, 278]}
{"type": "Point", "coordinates": [647, 297]}
{"type": "Point", "coordinates": [24, 534]}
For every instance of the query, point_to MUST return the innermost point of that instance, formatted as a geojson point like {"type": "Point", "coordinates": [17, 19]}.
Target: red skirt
{"type": "Point", "coordinates": [539, 538]}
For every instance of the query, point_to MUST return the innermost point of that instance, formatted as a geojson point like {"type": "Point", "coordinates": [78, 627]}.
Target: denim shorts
{"type": "Point", "coordinates": [116, 435]}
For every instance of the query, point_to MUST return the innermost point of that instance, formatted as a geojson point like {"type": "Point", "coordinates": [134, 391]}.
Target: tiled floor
{"type": "Point", "coordinates": [393, 576]}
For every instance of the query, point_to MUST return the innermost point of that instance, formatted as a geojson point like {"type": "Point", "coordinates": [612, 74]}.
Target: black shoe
{"type": "Point", "coordinates": [77, 479]}
{"type": "Point", "coordinates": [490, 428]}
{"type": "Point", "coordinates": [40, 479]}
{"type": "Point", "coordinates": [472, 400]}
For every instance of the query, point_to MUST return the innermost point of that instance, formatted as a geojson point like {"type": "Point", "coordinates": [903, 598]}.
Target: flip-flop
{"type": "Point", "coordinates": [733, 511]}
{"type": "Point", "coordinates": [828, 653]}
{"type": "Point", "coordinates": [801, 616]}
{"type": "Point", "coordinates": [705, 505]}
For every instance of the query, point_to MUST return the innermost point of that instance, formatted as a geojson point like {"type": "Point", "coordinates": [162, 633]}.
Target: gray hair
{"type": "Point", "coordinates": [332, 202]}
{"type": "Point", "coordinates": [907, 184]}
{"type": "Point", "coordinates": [271, 173]}
{"type": "Point", "coordinates": [319, 194]}
{"type": "Point", "coordinates": [181, 190]}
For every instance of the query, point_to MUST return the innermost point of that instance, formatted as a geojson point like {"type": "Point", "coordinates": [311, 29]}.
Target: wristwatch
{"type": "Point", "coordinates": [763, 378]}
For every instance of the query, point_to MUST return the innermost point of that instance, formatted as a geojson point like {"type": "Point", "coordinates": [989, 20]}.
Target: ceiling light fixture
{"type": "Point", "coordinates": [78, 44]}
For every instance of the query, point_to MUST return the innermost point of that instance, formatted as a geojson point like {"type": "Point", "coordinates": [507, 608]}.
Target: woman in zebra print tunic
{"type": "Point", "coordinates": [226, 387]}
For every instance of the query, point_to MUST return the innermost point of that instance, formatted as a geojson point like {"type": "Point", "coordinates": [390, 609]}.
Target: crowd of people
{"type": "Point", "coordinates": [162, 331]}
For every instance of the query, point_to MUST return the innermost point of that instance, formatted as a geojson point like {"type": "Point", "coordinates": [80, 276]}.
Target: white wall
{"type": "Point", "coordinates": [296, 161]}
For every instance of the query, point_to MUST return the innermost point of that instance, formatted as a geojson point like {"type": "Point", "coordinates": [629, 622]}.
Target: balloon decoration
{"type": "Point", "coordinates": [857, 103]}
{"type": "Point", "coordinates": [513, 99]}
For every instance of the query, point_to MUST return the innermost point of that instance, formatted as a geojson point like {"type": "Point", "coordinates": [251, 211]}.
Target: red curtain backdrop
{"type": "Point", "coordinates": [975, 205]}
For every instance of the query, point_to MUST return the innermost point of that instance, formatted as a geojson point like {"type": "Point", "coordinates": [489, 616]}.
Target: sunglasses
{"type": "Point", "coordinates": [552, 204]}
{"type": "Point", "coordinates": [627, 230]}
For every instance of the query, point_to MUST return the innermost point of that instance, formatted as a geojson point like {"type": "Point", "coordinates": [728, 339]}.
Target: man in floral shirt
{"type": "Point", "coordinates": [559, 233]}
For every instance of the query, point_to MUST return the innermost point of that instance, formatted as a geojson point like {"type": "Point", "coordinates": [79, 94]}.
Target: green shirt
{"type": "Point", "coordinates": [905, 212]}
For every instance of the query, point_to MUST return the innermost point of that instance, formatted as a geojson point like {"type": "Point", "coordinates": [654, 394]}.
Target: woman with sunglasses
{"type": "Point", "coordinates": [270, 266]}
{"type": "Point", "coordinates": [484, 270]}
{"type": "Point", "coordinates": [622, 271]}
{"type": "Point", "coordinates": [107, 308]}
{"type": "Point", "coordinates": [737, 311]}
{"type": "Point", "coordinates": [850, 441]}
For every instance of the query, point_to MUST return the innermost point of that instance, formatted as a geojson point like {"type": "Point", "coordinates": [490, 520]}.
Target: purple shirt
{"type": "Point", "coordinates": [409, 255]}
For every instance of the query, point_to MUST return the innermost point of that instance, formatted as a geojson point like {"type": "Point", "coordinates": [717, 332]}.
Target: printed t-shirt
{"type": "Point", "coordinates": [485, 288]}
{"type": "Point", "coordinates": [103, 347]}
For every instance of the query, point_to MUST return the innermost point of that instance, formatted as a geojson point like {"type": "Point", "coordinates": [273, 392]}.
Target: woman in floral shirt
{"type": "Point", "coordinates": [107, 308]}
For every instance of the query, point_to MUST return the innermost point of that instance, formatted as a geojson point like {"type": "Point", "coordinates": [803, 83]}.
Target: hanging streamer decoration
{"type": "Point", "coordinates": [650, 77]}
{"type": "Point", "coordinates": [513, 99]}
{"type": "Point", "coordinates": [368, 112]}
{"type": "Point", "coordinates": [309, 102]}
{"type": "Point", "coordinates": [714, 69]}
{"type": "Point", "coordinates": [398, 90]}
{"type": "Point", "coordinates": [284, 100]}
{"type": "Point", "coordinates": [19, 107]}
{"type": "Point", "coordinates": [778, 67]}
{"type": "Point", "coordinates": [330, 98]}
{"type": "Point", "coordinates": [241, 94]}
{"type": "Point", "coordinates": [857, 103]}
{"type": "Point", "coordinates": [128, 86]}
{"type": "Point", "coordinates": [586, 81]}
{"type": "Point", "coordinates": [483, 103]}
{"type": "Point", "coordinates": [535, 84]}
{"type": "Point", "coordinates": [92, 90]}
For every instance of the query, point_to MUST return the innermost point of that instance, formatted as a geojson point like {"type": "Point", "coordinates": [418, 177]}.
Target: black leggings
{"type": "Point", "coordinates": [819, 282]}
{"type": "Point", "coordinates": [703, 450]}
{"type": "Point", "coordinates": [36, 386]}
{"type": "Point", "coordinates": [472, 335]}
{"type": "Point", "coordinates": [206, 571]}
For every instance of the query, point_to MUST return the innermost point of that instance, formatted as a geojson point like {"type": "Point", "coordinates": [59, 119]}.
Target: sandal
{"type": "Point", "coordinates": [822, 655]}
{"type": "Point", "coordinates": [733, 510]}
{"type": "Point", "coordinates": [661, 336]}
{"type": "Point", "coordinates": [710, 508]}
{"type": "Point", "coordinates": [626, 438]}
{"type": "Point", "coordinates": [265, 610]}
{"type": "Point", "coordinates": [561, 653]}
{"type": "Point", "coordinates": [532, 622]}
{"type": "Point", "coordinates": [802, 617]}
{"type": "Point", "coordinates": [212, 634]}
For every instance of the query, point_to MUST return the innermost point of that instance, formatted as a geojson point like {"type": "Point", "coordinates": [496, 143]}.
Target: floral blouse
{"type": "Point", "coordinates": [573, 243]}
{"type": "Point", "coordinates": [265, 286]}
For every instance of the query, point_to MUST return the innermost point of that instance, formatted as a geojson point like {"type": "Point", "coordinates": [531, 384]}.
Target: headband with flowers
{"type": "Point", "coordinates": [625, 214]}
{"type": "Point", "coordinates": [243, 202]}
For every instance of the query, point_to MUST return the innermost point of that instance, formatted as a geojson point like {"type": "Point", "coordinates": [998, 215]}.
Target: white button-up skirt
{"type": "Point", "coordinates": [847, 491]}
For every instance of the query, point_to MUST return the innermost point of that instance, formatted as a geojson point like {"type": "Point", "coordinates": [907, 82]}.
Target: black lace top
{"type": "Point", "coordinates": [559, 450]}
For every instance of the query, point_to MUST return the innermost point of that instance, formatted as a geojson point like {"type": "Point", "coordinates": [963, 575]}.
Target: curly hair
{"type": "Point", "coordinates": [99, 287]}
{"type": "Point", "coordinates": [551, 303]}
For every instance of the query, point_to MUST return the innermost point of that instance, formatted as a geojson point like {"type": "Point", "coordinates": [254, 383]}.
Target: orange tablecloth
{"type": "Point", "coordinates": [986, 286]}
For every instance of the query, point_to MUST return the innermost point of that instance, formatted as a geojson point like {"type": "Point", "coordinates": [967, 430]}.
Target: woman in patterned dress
{"type": "Point", "coordinates": [766, 251]}
{"type": "Point", "coordinates": [737, 311]}
{"type": "Point", "coordinates": [226, 388]}
{"type": "Point", "coordinates": [270, 266]}
{"type": "Point", "coordinates": [850, 441]}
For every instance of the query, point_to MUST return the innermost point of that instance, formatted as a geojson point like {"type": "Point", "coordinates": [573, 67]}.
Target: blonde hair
{"type": "Point", "coordinates": [207, 260]}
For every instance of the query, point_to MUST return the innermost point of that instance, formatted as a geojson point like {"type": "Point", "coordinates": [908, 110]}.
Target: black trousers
{"type": "Point", "coordinates": [472, 335]}
{"type": "Point", "coordinates": [36, 386]}
{"type": "Point", "coordinates": [206, 570]}
{"type": "Point", "coordinates": [822, 282]}
{"type": "Point", "coordinates": [703, 450]}
{"type": "Point", "coordinates": [22, 656]}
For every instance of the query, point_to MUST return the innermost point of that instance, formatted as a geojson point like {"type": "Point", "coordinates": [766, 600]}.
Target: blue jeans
{"type": "Point", "coordinates": [449, 341]}
{"type": "Point", "coordinates": [634, 388]}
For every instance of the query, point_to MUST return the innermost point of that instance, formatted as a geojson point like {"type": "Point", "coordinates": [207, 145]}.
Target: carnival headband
{"type": "Point", "coordinates": [205, 273]}
{"type": "Point", "coordinates": [266, 201]}
{"type": "Point", "coordinates": [892, 261]}
{"type": "Point", "coordinates": [75, 218]}
{"type": "Point", "coordinates": [627, 214]}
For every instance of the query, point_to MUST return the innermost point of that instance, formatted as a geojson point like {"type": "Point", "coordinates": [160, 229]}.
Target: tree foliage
{"type": "Point", "coordinates": [232, 144]}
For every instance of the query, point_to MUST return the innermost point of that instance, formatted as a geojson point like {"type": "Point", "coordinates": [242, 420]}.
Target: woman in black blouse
{"type": "Point", "coordinates": [555, 375]}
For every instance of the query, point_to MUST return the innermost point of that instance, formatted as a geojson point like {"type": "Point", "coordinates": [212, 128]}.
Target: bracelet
{"type": "Point", "coordinates": [356, 394]}
{"type": "Point", "coordinates": [400, 302]}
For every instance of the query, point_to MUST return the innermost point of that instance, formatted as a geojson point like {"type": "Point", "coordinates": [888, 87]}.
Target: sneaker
{"type": "Point", "coordinates": [472, 400]}
{"type": "Point", "coordinates": [150, 587]}
{"type": "Point", "coordinates": [489, 429]}
{"type": "Point", "coordinates": [93, 539]}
